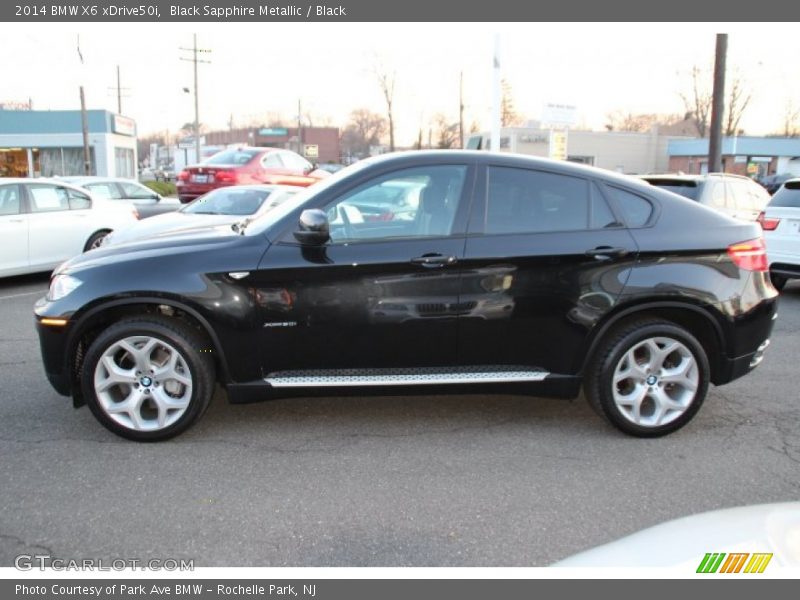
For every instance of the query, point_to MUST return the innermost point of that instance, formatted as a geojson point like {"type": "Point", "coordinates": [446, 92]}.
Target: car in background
{"type": "Point", "coordinates": [223, 206]}
{"type": "Point", "coordinates": [146, 201]}
{"type": "Point", "coordinates": [247, 165]}
{"type": "Point", "coordinates": [537, 276]}
{"type": "Point", "coordinates": [781, 224]}
{"type": "Point", "coordinates": [44, 222]}
{"type": "Point", "coordinates": [164, 173]}
{"type": "Point", "coordinates": [772, 183]}
{"type": "Point", "coordinates": [736, 196]}
{"type": "Point", "coordinates": [331, 167]}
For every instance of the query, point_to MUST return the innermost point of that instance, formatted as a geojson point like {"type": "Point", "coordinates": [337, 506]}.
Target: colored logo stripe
{"type": "Point", "coordinates": [711, 562]}
{"type": "Point", "coordinates": [758, 563]}
{"type": "Point", "coordinates": [734, 562]}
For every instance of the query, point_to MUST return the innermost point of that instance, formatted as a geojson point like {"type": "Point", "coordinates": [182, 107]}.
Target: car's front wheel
{"type": "Point", "coordinates": [148, 378]}
{"type": "Point", "coordinates": [648, 378]}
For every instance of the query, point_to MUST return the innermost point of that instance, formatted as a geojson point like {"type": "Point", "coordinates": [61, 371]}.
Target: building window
{"type": "Point", "coordinates": [64, 161]}
{"type": "Point", "coordinates": [123, 163]}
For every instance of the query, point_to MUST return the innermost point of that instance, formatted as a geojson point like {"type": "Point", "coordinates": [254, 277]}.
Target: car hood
{"type": "Point", "coordinates": [158, 246]}
{"type": "Point", "coordinates": [168, 223]}
{"type": "Point", "coordinates": [683, 543]}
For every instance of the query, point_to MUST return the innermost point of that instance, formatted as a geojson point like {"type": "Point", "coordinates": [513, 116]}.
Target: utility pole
{"type": "Point", "coordinates": [717, 106]}
{"type": "Point", "coordinates": [195, 50]}
{"type": "Point", "coordinates": [119, 91]}
{"type": "Point", "coordinates": [87, 157]}
{"type": "Point", "coordinates": [300, 129]}
{"type": "Point", "coordinates": [461, 109]}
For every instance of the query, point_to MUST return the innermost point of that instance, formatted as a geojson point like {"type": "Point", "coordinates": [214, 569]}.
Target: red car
{"type": "Point", "coordinates": [236, 166]}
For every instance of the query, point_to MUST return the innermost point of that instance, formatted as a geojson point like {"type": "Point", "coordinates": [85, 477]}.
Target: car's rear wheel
{"type": "Point", "coordinates": [147, 378]}
{"type": "Point", "coordinates": [648, 378]}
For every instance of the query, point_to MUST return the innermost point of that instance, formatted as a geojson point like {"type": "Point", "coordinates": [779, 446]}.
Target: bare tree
{"type": "Point", "coordinates": [364, 129]}
{"type": "Point", "coordinates": [737, 101]}
{"type": "Point", "coordinates": [620, 120]}
{"type": "Point", "coordinates": [446, 132]}
{"type": "Point", "coordinates": [386, 82]}
{"type": "Point", "coordinates": [697, 100]}
{"type": "Point", "coordinates": [508, 114]}
{"type": "Point", "coordinates": [791, 120]}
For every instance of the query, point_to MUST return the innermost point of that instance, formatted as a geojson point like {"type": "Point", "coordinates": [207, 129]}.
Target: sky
{"type": "Point", "coordinates": [260, 70]}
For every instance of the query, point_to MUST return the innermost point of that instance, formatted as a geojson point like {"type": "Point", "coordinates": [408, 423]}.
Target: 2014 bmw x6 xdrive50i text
{"type": "Point", "coordinates": [499, 272]}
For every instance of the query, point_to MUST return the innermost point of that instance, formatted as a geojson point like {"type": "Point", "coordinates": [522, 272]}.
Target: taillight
{"type": "Point", "coordinates": [767, 224]}
{"type": "Point", "coordinates": [226, 177]}
{"type": "Point", "coordinates": [183, 175]}
{"type": "Point", "coordinates": [750, 255]}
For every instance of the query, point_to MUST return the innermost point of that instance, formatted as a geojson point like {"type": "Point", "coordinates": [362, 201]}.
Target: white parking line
{"type": "Point", "coordinates": [44, 291]}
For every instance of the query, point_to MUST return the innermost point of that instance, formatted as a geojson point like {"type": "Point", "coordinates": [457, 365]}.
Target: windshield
{"type": "Point", "coordinates": [263, 222]}
{"type": "Point", "coordinates": [228, 201]}
{"type": "Point", "coordinates": [232, 157]}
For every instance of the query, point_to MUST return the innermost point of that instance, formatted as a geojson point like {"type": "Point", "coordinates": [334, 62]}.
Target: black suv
{"type": "Point", "coordinates": [503, 272]}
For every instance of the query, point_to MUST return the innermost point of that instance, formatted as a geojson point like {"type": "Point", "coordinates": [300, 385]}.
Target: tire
{"type": "Point", "coordinates": [148, 378]}
{"type": "Point", "coordinates": [626, 384]}
{"type": "Point", "coordinates": [95, 239]}
{"type": "Point", "coordinates": [778, 281]}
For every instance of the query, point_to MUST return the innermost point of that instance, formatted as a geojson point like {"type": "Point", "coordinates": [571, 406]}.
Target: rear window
{"type": "Point", "coordinates": [689, 189]}
{"type": "Point", "coordinates": [787, 196]}
{"type": "Point", "coordinates": [232, 157]}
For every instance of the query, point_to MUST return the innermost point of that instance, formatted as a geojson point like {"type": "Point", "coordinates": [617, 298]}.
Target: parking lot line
{"type": "Point", "coordinates": [44, 291]}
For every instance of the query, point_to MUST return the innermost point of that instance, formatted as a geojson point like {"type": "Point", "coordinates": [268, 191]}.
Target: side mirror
{"type": "Point", "coordinates": [157, 197]}
{"type": "Point", "coordinates": [313, 228]}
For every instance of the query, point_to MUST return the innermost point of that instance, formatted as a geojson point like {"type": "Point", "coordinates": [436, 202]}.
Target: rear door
{"type": "Point", "coordinates": [545, 259]}
{"type": "Point", "coordinates": [13, 230]}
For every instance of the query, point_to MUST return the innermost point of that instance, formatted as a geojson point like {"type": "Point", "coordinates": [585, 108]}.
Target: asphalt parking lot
{"type": "Point", "coordinates": [418, 481]}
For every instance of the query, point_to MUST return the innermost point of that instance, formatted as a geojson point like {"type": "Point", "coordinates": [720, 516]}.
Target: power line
{"type": "Point", "coordinates": [195, 60]}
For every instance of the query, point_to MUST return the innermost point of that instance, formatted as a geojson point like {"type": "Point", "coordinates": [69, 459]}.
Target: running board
{"type": "Point", "coordinates": [385, 377]}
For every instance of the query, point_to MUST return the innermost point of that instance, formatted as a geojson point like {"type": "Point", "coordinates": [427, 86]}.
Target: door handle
{"type": "Point", "coordinates": [602, 252]}
{"type": "Point", "coordinates": [434, 260]}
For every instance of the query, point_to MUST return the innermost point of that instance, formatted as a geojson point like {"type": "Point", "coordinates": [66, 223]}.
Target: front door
{"type": "Point", "coordinates": [383, 292]}
{"type": "Point", "coordinates": [13, 230]}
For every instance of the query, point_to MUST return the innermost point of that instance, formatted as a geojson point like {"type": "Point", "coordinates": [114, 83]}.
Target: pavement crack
{"type": "Point", "coordinates": [24, 543]}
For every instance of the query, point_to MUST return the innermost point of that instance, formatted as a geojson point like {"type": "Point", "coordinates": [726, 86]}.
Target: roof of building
{"type": "Point", "coordinates": [742, 146]}
{"type": "Point", "coordinates": [54, 121]}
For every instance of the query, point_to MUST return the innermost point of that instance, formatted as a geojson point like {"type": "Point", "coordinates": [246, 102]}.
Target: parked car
{"type": "Point", "coordinates": [516, 274]}
{"type": "Point", "coordinates": [223, 206]}
{"type": "Point", "coordinates": [147, 202]}
{"type": "Point", "coordinates": [734, 195]}
{"type": "Point", "coordinates": [772, 183]}
{"type": "Point", "coordinates": [164, 173]}
{"type": "Point", "coordinates": [248, 165]}
{"type": "Point", "coordinates": [781, 224]}
{"type": "Point", "coordinates": [43, 223]}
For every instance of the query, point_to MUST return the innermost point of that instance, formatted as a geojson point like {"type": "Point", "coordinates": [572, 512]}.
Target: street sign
{"type": "Point", "coordinates": [273, 131]}
{"type": "Point", "coordinates": [558, 145]}
{"type": "Point", "coordinates": [564, 115]}
{"type": "Point", "coordinates": [311, 150]}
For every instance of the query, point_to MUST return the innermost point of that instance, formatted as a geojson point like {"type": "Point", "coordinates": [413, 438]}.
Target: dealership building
{"type": "Point", "coordinates": [44, 143]}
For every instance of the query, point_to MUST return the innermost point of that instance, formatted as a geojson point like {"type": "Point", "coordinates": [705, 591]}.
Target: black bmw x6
{"type": "Point", "coordinates": [480, 271]}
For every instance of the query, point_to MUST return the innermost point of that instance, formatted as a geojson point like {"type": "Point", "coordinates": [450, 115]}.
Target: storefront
{"type": "Point", "coordinates": [49, 143]}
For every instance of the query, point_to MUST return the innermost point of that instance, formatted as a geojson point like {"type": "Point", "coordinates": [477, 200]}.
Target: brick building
{"type": "Point", "coordinates": [326, 140]}
{"type": "Point", "coordinates": [743, 155]}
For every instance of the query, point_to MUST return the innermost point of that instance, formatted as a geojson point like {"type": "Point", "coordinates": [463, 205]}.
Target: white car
{"type": "Point", "coordinates": [223, 206]}
{"type": "Point", "coordinates": [781, 223]}
{"type": "Point", "coordinates": [45, 222]}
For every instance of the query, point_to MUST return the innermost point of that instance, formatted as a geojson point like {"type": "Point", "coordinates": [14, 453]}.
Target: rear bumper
{"type": "Point", "coordinates": [785, 269]}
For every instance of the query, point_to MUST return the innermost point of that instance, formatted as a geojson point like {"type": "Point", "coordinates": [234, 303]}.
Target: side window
{"type": "Point", "coordinates": [78, 201]}
{"type": "Point", "coordinates": [103, 190]}
{"type": "Point", "coordinates": [717, 195]}
{"type": "Point", "coordinates": [634, 209]}
{"type": "Point", "coordinates": [528, 201]}
{"type": "Point", "coordinates": [272, 161]}
{"type": "Point", "coordinates": [47, 198]}
{"type": "Point", "coordinates": [295, 162]}
{"type": "Point", "coordinates": [9, 200]}
{"type": "Point", "coordinates": [416, 202]}
{"type": "Point", "coordinates": [136, 191]}
{"type": "Point", "coordinates": [601, 216]}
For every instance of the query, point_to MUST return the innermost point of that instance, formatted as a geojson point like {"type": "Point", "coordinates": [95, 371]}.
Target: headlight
{"type": "Point", "coordinates": [61, 285]}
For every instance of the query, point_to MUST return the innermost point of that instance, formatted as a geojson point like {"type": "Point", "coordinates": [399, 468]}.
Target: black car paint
{"type": "Point", "coordinates": [541, 300]}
